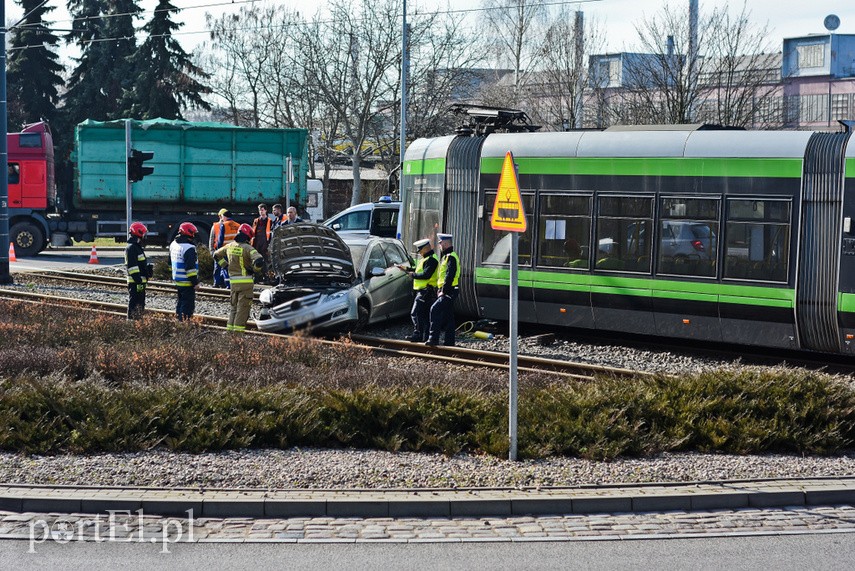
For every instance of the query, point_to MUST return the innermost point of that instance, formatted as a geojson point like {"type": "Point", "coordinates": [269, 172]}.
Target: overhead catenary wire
{"type": "Point", "coordinates": [208, 31]}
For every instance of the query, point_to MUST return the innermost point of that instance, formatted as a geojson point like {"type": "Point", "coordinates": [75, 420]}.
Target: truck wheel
{"type": "Point", "coordinates": [28, 238]}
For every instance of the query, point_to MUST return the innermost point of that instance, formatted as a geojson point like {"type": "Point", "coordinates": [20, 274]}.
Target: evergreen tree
{"type": "Point", "coordinates": [164, 75]}
{"type": "Point", "coordinates": [33, 68]}
{"type": "Point", "coordinates": [104, 31]}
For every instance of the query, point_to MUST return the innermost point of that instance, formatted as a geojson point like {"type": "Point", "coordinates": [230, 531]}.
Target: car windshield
{"type": "Point", "coordinates": [357, 252]}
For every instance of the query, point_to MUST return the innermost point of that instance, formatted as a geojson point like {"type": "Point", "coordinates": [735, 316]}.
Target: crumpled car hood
{"type": "Point", "coordinates": [310, 251]}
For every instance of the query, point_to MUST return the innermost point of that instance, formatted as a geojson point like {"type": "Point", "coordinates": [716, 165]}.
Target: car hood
{"type": "Point", "coordinates": [310, 251]}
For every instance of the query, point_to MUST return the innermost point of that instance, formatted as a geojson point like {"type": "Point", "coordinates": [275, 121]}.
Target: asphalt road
{"type": "Point", "coordinates": [796, 552]}
{"type": "Point", "coordinates": [66, 260]}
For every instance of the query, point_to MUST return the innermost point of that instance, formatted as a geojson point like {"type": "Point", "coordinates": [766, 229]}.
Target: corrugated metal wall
{"type": "Point", "coordinates": [819, 242]}
{"type": "Point", "coordinates": [460, 214]}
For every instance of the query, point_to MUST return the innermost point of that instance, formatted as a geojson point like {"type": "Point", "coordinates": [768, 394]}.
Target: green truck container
{"type": "Point", "coordinates": [198, 169]}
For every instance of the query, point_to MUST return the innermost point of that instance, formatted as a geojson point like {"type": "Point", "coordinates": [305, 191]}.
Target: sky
{"type": "Point", "coordinates": [785, 18]}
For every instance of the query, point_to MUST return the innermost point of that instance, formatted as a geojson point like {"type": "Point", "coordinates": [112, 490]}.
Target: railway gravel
{"type": "Point", "coordinates": [569, 349]}
{"type": "Point", "coordinates": [351, 469]}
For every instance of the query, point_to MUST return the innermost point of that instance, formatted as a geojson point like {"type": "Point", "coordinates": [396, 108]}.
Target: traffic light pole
{"type": "Point", "coordinates": [128, 193]}
{"type": "Point", "coordinates": [5, 275]}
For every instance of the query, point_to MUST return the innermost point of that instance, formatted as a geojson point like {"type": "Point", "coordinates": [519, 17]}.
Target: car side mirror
{"type": "Point", "coordinates": [377, 272]}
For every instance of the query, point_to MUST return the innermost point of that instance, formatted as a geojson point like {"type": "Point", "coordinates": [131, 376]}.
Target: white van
{"type": "Point", "coordinates": [381, 218]}
{"type": "Point", "coordinates": [314, 200]}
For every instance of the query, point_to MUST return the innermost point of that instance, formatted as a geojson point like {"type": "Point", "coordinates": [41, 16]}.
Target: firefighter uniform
{"type": "Point", "coordinates": [243, 262]}
{"type": "Point", "coordinates": [442, 310]}
{"type": "Point", "coordinates": [425, 279]}
{"type": "Point", "coordinates": [222, 233]}
{"type": "Point", "coordinates": [138, 274]}
{"type": "Point", "coordinates": [185, 274]}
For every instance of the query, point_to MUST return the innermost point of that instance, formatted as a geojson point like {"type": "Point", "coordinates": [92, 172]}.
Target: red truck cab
{"type": "Point", "coordinates": [30, 168]}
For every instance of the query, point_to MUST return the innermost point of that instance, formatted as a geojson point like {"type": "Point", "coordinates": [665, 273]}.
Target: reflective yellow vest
{"type": "Point", "coordinates": [443, 268]}
{"type": "Point", "coordinates": [432, 280]}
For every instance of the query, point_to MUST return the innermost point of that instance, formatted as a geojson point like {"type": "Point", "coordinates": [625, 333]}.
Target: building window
{"type": "Point", "coordinates": [757, 240]}
{"type": "Point", "coordinates": [813, 108]}
{"type": "Point", "coordinates": [810, 56]}
{"type": "Point", "coordinates": [840, 106]}
{"type": "Point", "coordinates": [564, 231]}
{"type": "Point", "coordinates": [688, 235]}
{"type": "Point", "coordinates": [623, 233]}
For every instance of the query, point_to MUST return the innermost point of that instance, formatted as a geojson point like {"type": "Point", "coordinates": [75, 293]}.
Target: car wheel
{"type": "Point", "coordinates": [362, 319]}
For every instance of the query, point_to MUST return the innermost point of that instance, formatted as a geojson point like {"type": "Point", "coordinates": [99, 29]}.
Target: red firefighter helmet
{"type": "Point", "coordinates": [138, 229]}
{"type": "Point", "coordinates": [188, 229]}
{"type": "Point", "coordinates": [246, 230]}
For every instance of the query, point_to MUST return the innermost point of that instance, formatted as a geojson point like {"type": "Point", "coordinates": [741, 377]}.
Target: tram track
{"type": "Point", "coordinates": [389, 347]}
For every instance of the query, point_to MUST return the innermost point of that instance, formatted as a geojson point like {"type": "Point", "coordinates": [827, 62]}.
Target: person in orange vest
{"type": "Point", "coordinates": [222, 233]}
{"type": "Point", "coordinates": [279, 217]}
{"type": "Point", "coordinates": [243, 262]}
{"type": "Point", "coordinates": [262, 228]}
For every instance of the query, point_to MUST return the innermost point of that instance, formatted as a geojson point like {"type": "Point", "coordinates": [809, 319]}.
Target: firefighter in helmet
{"type": "Point", "coordinates": [185, 269]}
{"type": "Point", "coordinates": [243, 263]}
{"type": "Point", "coordinates": [139, 270]}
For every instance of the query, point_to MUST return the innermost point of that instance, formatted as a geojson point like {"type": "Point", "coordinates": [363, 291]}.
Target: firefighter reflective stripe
{"type": "Point", "coordinates": [433, 280]}
{"type": "Point", "coordinates": [235, 254]}
{"type": "Point", "coordinates": [180, 274]}
{"type": "Point", "coordinates": [443, 268]}
{"type": "Point", "coordinates": [136, 267]}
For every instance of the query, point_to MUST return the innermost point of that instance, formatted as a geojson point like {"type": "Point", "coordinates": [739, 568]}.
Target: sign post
{"type": "Point", "coordinates": [509, 215]}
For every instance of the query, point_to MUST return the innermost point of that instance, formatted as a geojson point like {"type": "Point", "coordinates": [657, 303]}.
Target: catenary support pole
{"type": "Point", "coordinates": [5, 275]}
{"type": "Point", "coordinates": [129, 196]}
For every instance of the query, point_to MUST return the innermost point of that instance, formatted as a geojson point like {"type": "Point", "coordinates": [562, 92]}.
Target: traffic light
{"type": "Point", "coordinates": [136, 170]}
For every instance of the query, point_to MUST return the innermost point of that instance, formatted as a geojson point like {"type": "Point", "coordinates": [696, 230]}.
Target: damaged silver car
{"type": "Point", "coordinates": [331, 284]}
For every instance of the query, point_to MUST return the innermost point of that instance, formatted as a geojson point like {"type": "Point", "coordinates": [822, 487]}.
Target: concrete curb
{"type": "Point", "coordinates": [430, 503]}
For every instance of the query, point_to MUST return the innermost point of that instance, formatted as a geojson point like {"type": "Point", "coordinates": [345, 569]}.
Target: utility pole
{"type": "Point", "coordinates": [5, 275]}
{"type": "Point", "coordinates": [579, 43]}
{"type": "Point", "coordinates": [693, 57]}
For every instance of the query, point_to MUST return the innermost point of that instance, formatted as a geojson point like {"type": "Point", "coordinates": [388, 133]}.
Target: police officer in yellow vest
{"type": "Point", "coordinates": [425, 278]}
{"type": "Point", "coordinates": [442, 310]}
{"type": "Point", "coordinates": [242, 261]}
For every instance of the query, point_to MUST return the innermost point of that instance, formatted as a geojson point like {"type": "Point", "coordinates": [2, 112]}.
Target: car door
{"type": "Point", "coordinates": [380, 288]}
{"type": "Point", "coordinates": [403, 284]}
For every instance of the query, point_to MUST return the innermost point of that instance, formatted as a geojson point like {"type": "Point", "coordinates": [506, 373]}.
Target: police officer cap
{"type": "Point", "coordinates": [419, 244]}
{"type": "Point", "coordinates": [442, 237]}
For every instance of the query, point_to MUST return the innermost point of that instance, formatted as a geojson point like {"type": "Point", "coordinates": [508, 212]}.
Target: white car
{"type": "Point", "coordinates": [330, 284]}
{"type": "Point", "coordinates": [381, 218]}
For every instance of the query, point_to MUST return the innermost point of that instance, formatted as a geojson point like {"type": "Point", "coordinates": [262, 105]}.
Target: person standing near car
{"type": "Point", "coordinates": [138, 269]}
{"type": "Point", "coordinates": [291, 217]}
{"type": "Point", "coordinates": [185, 270]}
{"type": "Point", "coordinates": [425, 279]}
{"type": "Point", "coordinates": [222, 233]}
{"type": "Point", "coordinates": [261, 229]}
{"type": "Point", "coordinates": [243, 262]}
{"type": "Point", "coordinates": [442, 310]}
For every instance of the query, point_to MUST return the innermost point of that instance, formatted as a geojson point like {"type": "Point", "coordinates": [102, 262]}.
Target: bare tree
{"type": "Point", "coordinates": [741, 73]}
{"type": "Point", "coordinates": [351, 54]}
{"type": "Point", "coordinates": [556, 89]}
{"type": "Point", "coordinates": [724, 80]}
{"type": "Point", "coordinates": [515, 30]}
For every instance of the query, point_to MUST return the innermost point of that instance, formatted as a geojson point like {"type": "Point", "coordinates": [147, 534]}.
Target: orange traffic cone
{"type": "Point", "coordinates": [12, 257]}
{"type": "Point", "coordinates": [93, 257]}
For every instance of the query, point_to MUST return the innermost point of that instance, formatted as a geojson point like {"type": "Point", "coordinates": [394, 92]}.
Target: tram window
{"type": "Point", "coordinates": [424, 215]}
{"type": "Point", "coordinates": [496, 244]}
{"type": "Point", "coordinates": [688, 244]}
{"type": "Point", "coordinates": [564, 231]}
{"type": "Point", "coordinates": [623, 229]}
{"type": "Point", "coordinates": [757, 240]}
{"type": "Point", "coordinates": [14, 173]}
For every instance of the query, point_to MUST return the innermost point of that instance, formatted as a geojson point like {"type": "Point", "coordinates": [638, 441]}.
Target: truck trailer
{"type": "Point", "coordinates": [199, 168]}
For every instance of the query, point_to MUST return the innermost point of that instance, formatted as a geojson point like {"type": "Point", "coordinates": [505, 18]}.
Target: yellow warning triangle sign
{"type": "Point", "coordinates": [508, 213]}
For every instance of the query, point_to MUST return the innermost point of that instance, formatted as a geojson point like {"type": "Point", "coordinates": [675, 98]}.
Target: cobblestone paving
{"type": "Point", "coordinates": [143, 528]}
